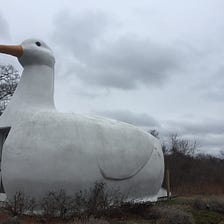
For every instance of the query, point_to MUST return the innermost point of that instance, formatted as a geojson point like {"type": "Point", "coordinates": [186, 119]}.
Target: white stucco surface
{"type": "Point", "coordinates": [47, 150]}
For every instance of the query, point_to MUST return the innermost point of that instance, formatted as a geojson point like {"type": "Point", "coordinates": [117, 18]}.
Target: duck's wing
{"type": "Point", "coordinates": [125, 151]}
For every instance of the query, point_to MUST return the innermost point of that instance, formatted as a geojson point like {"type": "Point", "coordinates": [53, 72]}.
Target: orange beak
{"type": "Point", "coordinates": [14, 50]}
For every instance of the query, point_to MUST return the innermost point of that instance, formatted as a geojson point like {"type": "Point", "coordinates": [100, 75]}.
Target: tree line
{"type": "Point", "coordinates": [192, 172]}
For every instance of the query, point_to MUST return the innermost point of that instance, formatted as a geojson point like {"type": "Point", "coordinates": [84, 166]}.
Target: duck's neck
{"type": "Point", "coordinates": [35, 90]}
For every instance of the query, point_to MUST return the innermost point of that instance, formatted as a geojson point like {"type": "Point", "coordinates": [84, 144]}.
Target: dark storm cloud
{"type": "Point", "coordinates": [139, 119]}
{"type": "Point", "coordinates": [124, 62]}
{"type": "Point", "coordinates": [4, 27]}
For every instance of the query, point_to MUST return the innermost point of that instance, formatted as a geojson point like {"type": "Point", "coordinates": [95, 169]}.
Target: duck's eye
{"type": "Point", "coordinates": [38, 43]}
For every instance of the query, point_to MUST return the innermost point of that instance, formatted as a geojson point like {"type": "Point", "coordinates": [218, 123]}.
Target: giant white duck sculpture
{"type": "Point", "coordinates": [43, 149]}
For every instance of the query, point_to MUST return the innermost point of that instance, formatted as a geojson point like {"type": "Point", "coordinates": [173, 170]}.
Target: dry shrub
{"type": "Point", "coordinates": [13, 220]}
{"type": "Point", "coordinates": [56, 204]}
{"type": "Point", "coordinates": [200, 203]}
{"type": "Point", "coordinates": [172, 215]}
{"type": "Point", "coordinates": [216, 204]}
{"type": "Point", "coordinates": [198, 188]}
{"type": "Point", "coordinates": [91, 220]}
{"type": "Point", "coordinates": [133, 209]}
{"type": "Point", "coordinates": [20, 204]}
{"type": "Point", "coordinates": [96, 201]}
{"type": "Point", "coordinates": [213, 203]}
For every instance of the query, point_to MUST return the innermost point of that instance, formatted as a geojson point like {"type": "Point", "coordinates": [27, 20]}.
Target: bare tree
{"type": "Point", "coordinates": [154, 132]}
{"type": "Point", "coordinates": [180, 145]}
{"type": "Point", "coordinates": [20, 203]}
{"type": "Point", "coordinates": [9, 78]}
{"type": "Point", "coordinates": [221, 154]}
{"type": "Point", "coordinates": [97, 200]}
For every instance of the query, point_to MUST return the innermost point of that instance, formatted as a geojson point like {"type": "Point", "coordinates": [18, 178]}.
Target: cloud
{"type": "Point", "coordinates": [127, 63]}
{"type": "Point", "coordinates": [78, 33]}
{"type": "Point", "coordinates": [212, 88]}
{"type": "Point", "coordinates": [209, 133]}
{"type": "Point", "coordinates": [209, 126]}
{"type": "Point", "coordinates": [124, 62]}
{"type": "Point", "coordinates": [4, 27]}
{"type": "Point", "coordinates": [138, 119]}
{"type": "Point", "coordinates": [103, 57]}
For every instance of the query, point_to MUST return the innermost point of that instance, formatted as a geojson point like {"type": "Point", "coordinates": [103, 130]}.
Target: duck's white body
{"type": "Point", "coordinates": [46, 150]}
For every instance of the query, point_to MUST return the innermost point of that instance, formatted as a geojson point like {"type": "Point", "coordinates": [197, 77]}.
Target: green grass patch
{"type": "Point", "coordinates": [176, 201]}
{"type": "Point", "coordinates": [207, 217]}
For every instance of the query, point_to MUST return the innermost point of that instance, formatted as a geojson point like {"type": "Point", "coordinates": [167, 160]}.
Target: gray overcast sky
{"type": "Point", "coordinates": [156, 64]}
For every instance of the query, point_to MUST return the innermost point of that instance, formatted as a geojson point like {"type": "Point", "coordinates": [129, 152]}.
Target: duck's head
{"type": "Point", "coordinates": [30, 52]}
